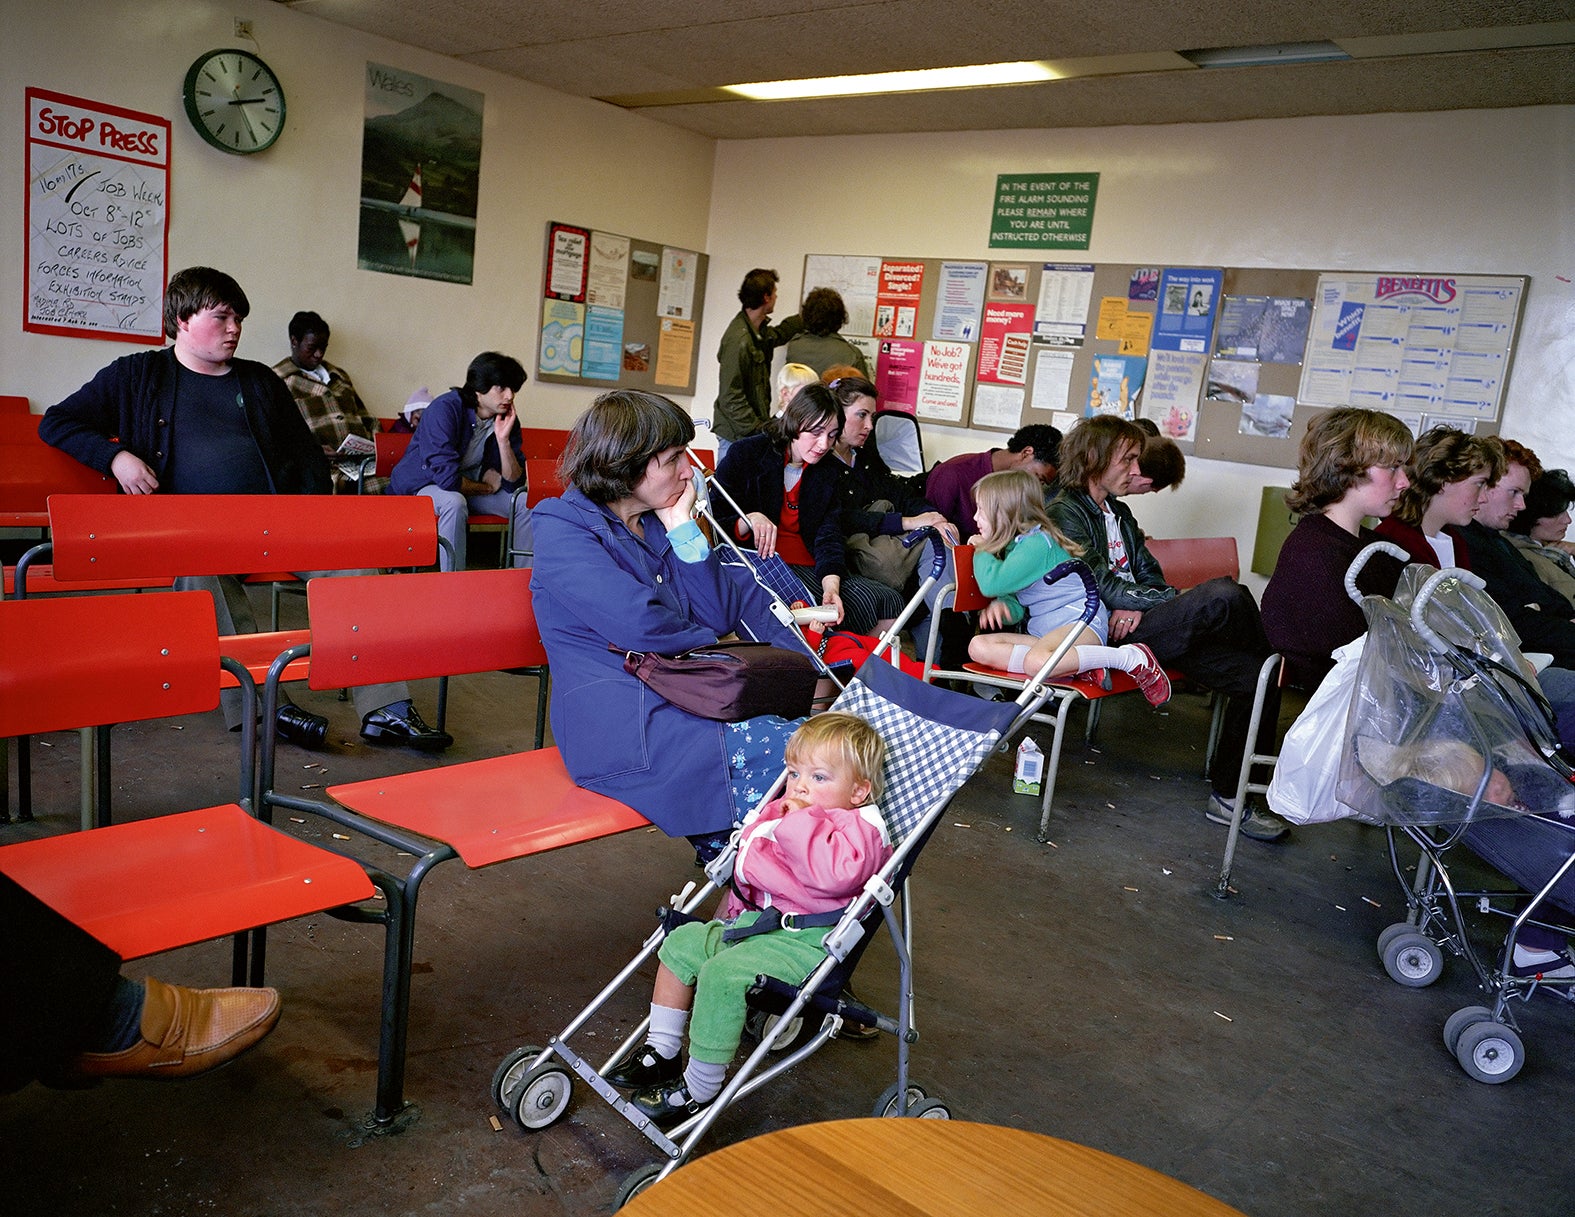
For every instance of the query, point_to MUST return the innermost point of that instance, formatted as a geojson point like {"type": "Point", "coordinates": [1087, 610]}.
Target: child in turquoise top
{"type": "Point", "coordinates": [1016, 546]}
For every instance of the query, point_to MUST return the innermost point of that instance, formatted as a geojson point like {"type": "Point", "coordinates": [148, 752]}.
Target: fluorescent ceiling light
{"type": "Point", "coordinates": [923, 80]}
{"type": "Point", "coordinates": [1266, 56]}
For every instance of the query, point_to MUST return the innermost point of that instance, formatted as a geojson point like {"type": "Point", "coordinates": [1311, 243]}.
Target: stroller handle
{"type": "Point", "coordinates": [937, 548]}
{"type": "Point", "coordinates": [1090, 589]}
{"type": "Point", "coordinates": [1425, 596]}
{"type": "Point", "coordinates": [1361, 560]}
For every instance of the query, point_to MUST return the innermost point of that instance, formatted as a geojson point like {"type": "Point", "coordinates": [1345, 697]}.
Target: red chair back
{"type": "Point", "coordinates": [19, 427]}
{"type": "Point", "coordinates": [10, 403]}
{"type": "Point", "coordinates": [969, 598]}
{"type": "Point", "coordinates": [32, 471]}
{"type": "Point", "coordinates": [541, 476]}
{"type": "Point", "coordinates": [87, 661]}
{"type": "Point", "coordinates": [390, 447]}
{"type": "Point", "coordinates": [543, 443]}
{"type": "Point", "coordinates": [367, 629]}
{"type": "Point", "coordinates": [1189, 561]}
{"type": "Point", "coordinates": [167, 535]}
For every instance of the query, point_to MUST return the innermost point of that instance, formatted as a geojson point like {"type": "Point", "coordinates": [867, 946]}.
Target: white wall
{"type": "Point", "coordinates": [284, 222]}
{"type": "Point", "coordinates": [1489, 191]}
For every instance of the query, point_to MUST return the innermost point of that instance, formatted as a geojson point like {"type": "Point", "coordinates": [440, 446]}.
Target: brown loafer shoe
{"type": "Point", "coordinates": [186, 1032]}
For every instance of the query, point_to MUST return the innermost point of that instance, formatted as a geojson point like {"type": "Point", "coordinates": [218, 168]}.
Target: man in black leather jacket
{"type": "Point", "coordinates": [1211, 632]}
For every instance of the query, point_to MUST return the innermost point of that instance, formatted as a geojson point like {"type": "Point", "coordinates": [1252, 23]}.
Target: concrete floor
{"type": "Point", "coordinates": [1088, 989]}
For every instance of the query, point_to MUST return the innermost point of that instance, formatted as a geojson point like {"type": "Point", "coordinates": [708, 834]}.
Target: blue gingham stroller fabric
{"type": "Point", "coordinates": [935, 739]}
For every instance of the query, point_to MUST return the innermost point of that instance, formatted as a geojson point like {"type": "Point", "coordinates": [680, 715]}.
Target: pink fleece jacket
{"type": "Point", "coordinates": [810, 860]}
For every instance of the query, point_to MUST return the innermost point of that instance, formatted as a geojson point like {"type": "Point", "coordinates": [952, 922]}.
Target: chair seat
{"type": "Point", "coordinates": [41, 581]}
{"type": "Point", "coordinates": [154, 885]}
{"type": "Point", "coordinates": [492, 810]}
{"type": "Point", "coordinates": [258, 651]}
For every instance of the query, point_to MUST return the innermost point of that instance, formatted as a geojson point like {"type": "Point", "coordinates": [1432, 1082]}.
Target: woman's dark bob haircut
{"type": "Point", "coordinates": [612, 444]}
{"type": "Point", "coordinates": [807, 409]}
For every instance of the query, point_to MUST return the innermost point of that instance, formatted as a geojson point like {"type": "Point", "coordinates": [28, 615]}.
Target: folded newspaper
{"type": "Point", "coordinates": [356, 445]}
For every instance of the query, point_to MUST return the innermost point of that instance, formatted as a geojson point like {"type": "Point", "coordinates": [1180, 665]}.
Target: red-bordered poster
{"type": "Point", "coordinates": [97, 219]}
{"type": "Point", "coordinates": [568, 260]}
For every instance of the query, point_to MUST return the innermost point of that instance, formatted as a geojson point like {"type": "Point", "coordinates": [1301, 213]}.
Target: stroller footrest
{"type": "Point", "coordinates": [774, 996]}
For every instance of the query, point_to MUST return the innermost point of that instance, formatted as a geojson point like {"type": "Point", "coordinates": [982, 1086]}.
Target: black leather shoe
{"type": "Point", "coordinates": [398, 724]}
{"type": "Point", "coordinates": [667, 1105]}
{"type": "Point", "coordinates": [297, 726]}
{"type": "Point", "coordinates": [645, 1067]}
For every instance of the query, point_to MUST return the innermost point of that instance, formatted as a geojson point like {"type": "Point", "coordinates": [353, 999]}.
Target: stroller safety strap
{"type": "Point", "coordinates": [775, 919]}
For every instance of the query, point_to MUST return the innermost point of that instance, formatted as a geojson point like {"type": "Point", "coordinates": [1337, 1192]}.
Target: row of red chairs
{"type": "Point", "coordinates": [158, 884]}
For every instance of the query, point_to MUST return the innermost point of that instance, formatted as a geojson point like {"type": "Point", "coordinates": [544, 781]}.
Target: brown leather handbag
{"type": "Point", "coordinates": [730, 681]}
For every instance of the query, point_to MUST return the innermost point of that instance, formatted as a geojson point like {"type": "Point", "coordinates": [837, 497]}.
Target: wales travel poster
{"type": "Point", "coordinates": [420, 176]}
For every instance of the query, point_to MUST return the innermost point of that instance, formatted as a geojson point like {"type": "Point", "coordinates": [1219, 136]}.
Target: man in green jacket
{"type": "Point", "coordinates": [743, 399]}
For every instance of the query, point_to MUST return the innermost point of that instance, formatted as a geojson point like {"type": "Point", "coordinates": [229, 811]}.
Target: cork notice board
{"type": "Point", "coordinates": [619, 311]}
{"type": "Point", "coordinates": [1232, 363]}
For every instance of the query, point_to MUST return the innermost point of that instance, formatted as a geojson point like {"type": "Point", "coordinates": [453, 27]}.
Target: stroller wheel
{"type": "Point", "coordinates": [637, 1182]}
{"type": "Point", "coordinates": [508, 1075]}
{"type": "Point", "coordinates": [930, 1109]}
{"type": "Point", "coordinates": [1413, 960]}
{"type": "Point", "coordinates": [886, 1105]}
{"type": "Point", "coordinates": [1456, 1024]}
{"type": "Point", "coordinates": [1490, 1052]}
{"type": "Point", "coordinates": [543, 1097]}
{"type": "Point", "coordinates": [1392, 932]}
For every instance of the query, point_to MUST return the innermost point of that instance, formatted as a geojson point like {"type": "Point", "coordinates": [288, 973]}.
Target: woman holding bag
{"type": "Point", "coordinates": [621, 563]}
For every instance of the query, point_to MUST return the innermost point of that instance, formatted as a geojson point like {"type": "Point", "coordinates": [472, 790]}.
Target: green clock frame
{"type": "Point", "coordinates": [234, 101]}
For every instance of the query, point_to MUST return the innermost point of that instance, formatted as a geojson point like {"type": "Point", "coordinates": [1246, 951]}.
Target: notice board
{"type": "Point", "coordinates": [618, 311]}
{"type": "Point", "coordinates": [1230, 362]}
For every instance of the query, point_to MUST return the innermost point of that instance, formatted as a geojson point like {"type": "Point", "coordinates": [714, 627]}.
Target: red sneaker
{"type": "Point", "coordinates": [1151, 677]}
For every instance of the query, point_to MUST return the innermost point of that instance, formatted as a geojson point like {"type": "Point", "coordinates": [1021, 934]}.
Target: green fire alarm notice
{"type": "Point", "coordinates": [1035, 212]}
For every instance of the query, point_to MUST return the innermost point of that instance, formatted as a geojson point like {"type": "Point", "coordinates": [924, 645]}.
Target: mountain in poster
{"type": "Point", "coordinates": [440, 135]}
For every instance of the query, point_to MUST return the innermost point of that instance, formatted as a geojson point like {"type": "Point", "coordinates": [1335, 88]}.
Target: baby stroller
{"type": "Point", "coordinates": [935, 740]}
{"type": "Point", "coordinates": [1451, 743]}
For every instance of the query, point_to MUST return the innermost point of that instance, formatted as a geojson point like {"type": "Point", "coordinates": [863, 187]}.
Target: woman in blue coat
{"type": "Point", "coordinates": [621, 563]}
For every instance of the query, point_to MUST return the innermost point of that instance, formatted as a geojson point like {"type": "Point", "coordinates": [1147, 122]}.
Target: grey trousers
{"type": "Point", "coordinates": [234, 613]}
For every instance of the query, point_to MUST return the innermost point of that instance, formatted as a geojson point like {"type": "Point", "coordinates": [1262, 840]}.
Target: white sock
{"type": "Point", "coordinates": [704, 1080]}
{"type": "Point", "coordinates": [1121, 659]}
{"type": "Point", "coordinates": [1526, 956]}
{"type": "Point", "coordinates": [1018, 661]}
{"type": "Point", "coordinates": [666, 1034]}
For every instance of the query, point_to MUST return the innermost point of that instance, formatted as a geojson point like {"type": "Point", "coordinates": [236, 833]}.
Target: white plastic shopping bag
{"type": "Point", "coordinates": [1303, 787]}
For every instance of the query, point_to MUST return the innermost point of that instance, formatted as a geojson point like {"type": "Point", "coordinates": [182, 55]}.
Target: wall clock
{"type": "Point", "coordinates": [235, 101]}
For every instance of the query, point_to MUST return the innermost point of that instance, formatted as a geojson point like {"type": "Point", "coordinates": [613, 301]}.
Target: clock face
{"type": "Point", "coordinates": [234, 100]}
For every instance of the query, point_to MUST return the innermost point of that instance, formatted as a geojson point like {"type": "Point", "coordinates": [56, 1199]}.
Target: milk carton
{"type": "Point", "coordinates": [1030, 773]}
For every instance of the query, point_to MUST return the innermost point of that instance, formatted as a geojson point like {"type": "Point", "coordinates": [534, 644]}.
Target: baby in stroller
{"type": "Point", "coordinates": [1521, 848]}
{"type": "Point", "coordinates": [800, 860]}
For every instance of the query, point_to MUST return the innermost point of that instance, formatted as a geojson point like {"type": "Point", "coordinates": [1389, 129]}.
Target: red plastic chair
{"type": "Point", "coordinates": [405, 627]}
{"type": "Point", "coordinates": [543, 443]}
{"type": "Point", "coordinates": [150, 540]}
{"type": "Point", "coordinates": [19, 427]}
{"type": "Point", "coordinates": [965, 597]}
{"type": "Point", "coordinates": [391, 447]}
{"type": "Point", "coordinates": [157, 538]}
{"type": "Point", "coordinates": [1189, 561]}
{"type": "Point", "coordinates": [32, 471]}
{"type": "Point", "coordinates": [169, 881]}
